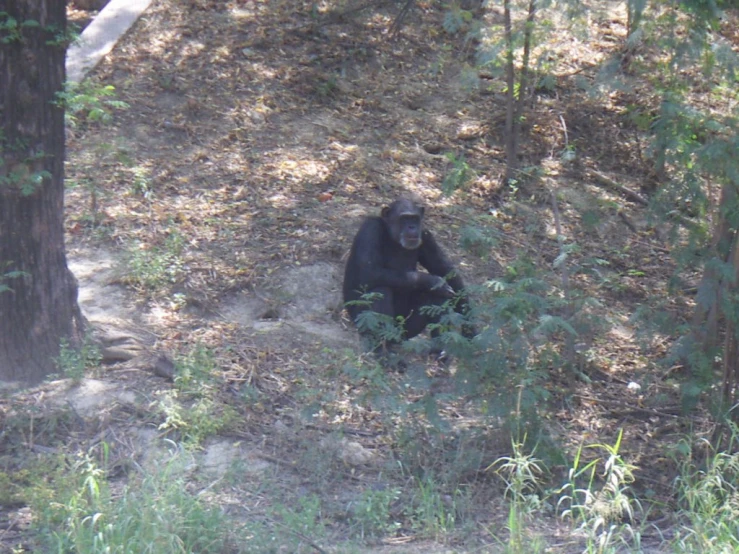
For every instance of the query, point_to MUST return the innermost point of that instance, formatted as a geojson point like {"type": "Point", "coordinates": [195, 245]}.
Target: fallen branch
{"type": "Point", "coordinates": [626, 191]}
{"type": "Point", "coordinates": [639, 199]}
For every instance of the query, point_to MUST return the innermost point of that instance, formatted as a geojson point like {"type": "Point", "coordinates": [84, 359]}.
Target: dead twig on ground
{"type": "Point", "coordinates": [639, 199]}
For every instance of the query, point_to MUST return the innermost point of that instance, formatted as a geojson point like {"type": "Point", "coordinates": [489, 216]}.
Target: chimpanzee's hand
{"type": "Point", "coordinates": [441, 287]}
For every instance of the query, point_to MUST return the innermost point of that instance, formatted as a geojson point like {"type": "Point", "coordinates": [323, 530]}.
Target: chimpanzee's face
{"type": "Point", "coordinates": [404, 220]}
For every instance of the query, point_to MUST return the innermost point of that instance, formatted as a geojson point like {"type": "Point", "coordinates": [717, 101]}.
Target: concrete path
{"type": "Point", "coordinates": [100, 36]}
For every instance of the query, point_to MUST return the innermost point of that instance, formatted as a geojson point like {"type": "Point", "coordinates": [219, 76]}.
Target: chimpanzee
{"type": "Point", "coordinates": [384, 259]}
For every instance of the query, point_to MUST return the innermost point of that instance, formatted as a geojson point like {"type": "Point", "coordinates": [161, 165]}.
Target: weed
{"type": "Point", "coordinates": [9, 276]}
{"type": "Point", "coordinates": [141, 182]}
{"type": "Point", "coordinates": [93, 190]}
{"type": "Point", "coordinates": [432, 512]}
{"type": "Point", "coordinates": [521, 473]}
{"type": "Point", "coordinates": [600, 509]}
{"type": "Point", "coordinates": [76, 512]}
{"type": "Point", "coordinates": [154, 268]}
{"type": "Point", "coordinates": [192, 408]}
{"type": "Point", "coordinates": [303, 522]}
{"type": "Point", "coordinates": [458, 177]}
{"type": "Point", "coordinates": [709, 500]}
{"type": "Point", "coordinates": [372, 514]}
{"type": "Point", "coordinates": [73, 362]}
{"type": "Point", "coordinates": [87, 103]}
{"type": "Point", "coordinates": [326, 86]}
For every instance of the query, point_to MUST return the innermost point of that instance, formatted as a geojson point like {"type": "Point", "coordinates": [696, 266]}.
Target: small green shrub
{"type": "Point", "coordinates": [432, 512]}
{"type": "Point", "coordinates": [603, 509]}
{"type": "Point", "coordinates": [192, 408]}
{"type": "Point", "coordinates": [73, 362]}
{"type": "Point", "coordinates": [458, 176]}
{"type": "Point", "coordinates": [372, 515]}
{"type": "Point", "coordinates": [708, 493]}
{"type": "Point", "coordinates": [521, 473]}
{"type": "Point", "coordinates": [156, 267]}
{"type": "Point", "coordinates": [87, 103]}
{"type": "Point", "coordinates": [76, 512]}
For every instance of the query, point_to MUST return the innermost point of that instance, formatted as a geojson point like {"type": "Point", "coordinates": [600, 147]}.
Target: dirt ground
{"type": "Point", "coordinates": [218, 209]}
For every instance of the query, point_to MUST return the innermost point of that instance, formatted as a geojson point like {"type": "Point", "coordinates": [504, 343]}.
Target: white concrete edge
{"type": "Point", "coordinates": [100, 36]}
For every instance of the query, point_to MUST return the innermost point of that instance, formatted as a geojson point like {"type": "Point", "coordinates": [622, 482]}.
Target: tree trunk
{"type": "Point", "coordinates": [510, 144]}
{"type": "Point", "coordinates": [731, 345]}
{"type": "Point", "coordinates": [38, 293]}
{"type": "Point", "coordinates": [523, 81]}
{"type": "Point", "coordinates": [712, 286]}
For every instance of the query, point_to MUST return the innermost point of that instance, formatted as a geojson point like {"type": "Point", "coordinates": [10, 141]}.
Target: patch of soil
{"type": "Point", "coordinates": [80, 13]}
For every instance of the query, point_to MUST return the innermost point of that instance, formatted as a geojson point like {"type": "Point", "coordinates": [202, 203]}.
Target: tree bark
{"type": "Point", "coordinates": [731, 346]}
{"type": "Point", "coordinates": [510, 144]}
{"type": "Point", "coordinates": [523, 81]}
{"type": "Point", "coordinates": [38, 293]}
{"type": "Point", "coordinates": [712, 287]}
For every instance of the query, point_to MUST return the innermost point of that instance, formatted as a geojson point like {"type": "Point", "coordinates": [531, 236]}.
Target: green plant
{"type": "Point", "coordinates": [196, 372]}
{"type": "Point", "coordinates": [600, 506]}
{"type": "Point", "coordinates": [479, 241]}
{"type": "Point", "coordinates": [23, 176]}
{"type": "Point", "coordinates": [194, 420]}
{"type": "Point", "coordinates": [372, 515]}
{"type": "Point", "coordinates": [521, 473]}
{"type": "Point", "coordinates": [76, 512]}
{"type": "Point", "coordinates": [12, 487]}
{"type": "Point", "coordinates": [153, 268]}
{"type": "Point", "coordinates": [432, 512]}
{"type": "Point", "coordinates": [192, 408]}
{"type": "Point", "coordinates": [458, 176]}
{"type": "Point", "coordinates": [378, 331]}
{"type": "Point", "coordinates": [73, 362]}
{"type": "Point", "coordinates": [518, 34]}
{"type": "Point", "coordinates": [10, 29]}
{"type": "Point", "coordinates": [93, 189]}
{"type": "Point", "coordinates": [141, 183]}
{"type": "Point", "coordinates": [456, 19]}
{"type": "Point", "coordinates": [708, 493]}
{"type": "Point", "coordinates": [87, 103]}
{"type": "Point", "coordinates": [305, 521]}
{"type": "Point", "coordinates": [8, 276]}
{"type": "Point", "coordinates": [326, 86]}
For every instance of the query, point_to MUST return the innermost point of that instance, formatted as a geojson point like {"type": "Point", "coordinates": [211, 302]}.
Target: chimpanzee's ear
{"type": "Point", "coordinates": [385, 212]}
{"type": "Point", "coordinates": [421, 210]}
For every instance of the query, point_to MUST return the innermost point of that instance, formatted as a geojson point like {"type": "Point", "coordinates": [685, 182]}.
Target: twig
{"type": "Point", "coordinates": [400, 19]}
{"type": "Point", "coordinates": [625, 406]}
{"type": "Point", "coordinates": [638, 198]}
{"type": "Point", "coordinates": [607, 181]}
{"type": "Point", "coordinates": [564, 130]}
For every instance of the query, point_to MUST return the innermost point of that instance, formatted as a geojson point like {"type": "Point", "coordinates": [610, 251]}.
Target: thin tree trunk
{"type": "Point", "coordinates": [730, 359]}
{"type": "Point", "coordinates": [511, 162]}
{"type": "Point", "coordinates": [710, 289]}
{"type": "Point", "coordinates": [40, 309]}
{"type": "Point", "coordinates": [523, 81]}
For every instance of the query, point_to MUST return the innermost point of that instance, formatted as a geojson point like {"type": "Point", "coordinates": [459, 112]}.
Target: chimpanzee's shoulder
{"type": "Point", "coordinates": [372, 224]}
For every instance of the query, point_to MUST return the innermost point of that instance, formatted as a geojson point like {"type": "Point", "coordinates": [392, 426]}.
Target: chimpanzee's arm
{"type": "Point", "coordinates": [370, 270]}
{"type": "Point", "coordinates": [432, 257]}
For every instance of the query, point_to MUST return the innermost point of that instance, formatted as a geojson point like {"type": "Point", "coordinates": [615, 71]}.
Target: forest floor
{"type": "Point", "coordinates": [215, 214]}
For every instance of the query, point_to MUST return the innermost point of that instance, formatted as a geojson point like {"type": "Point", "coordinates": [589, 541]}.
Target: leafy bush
{"type": "Point", "coordinates": [87, 103]}
{"type": "Point", "coordinates": [76, 512]}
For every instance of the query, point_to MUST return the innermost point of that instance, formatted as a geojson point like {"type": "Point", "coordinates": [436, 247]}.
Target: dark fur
{"type": "Point", "coordinates": [379, 263]}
